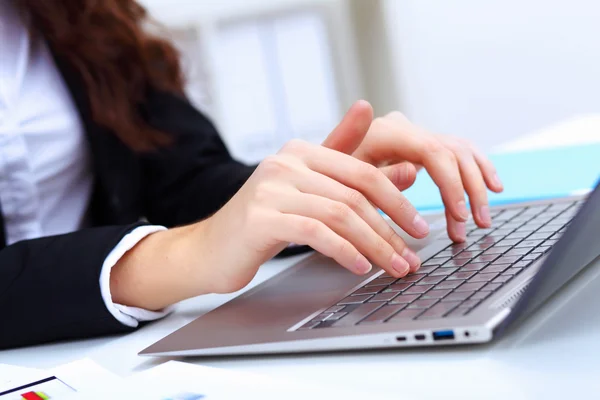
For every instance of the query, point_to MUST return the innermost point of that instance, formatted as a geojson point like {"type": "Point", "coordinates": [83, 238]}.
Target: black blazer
{"type": "Point", "coordinates": [49, 287]}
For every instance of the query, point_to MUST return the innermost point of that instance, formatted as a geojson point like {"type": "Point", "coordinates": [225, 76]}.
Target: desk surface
{"type": "Point", "coordinates": [553, 354]}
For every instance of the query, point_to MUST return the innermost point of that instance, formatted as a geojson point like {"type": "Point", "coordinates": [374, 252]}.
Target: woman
{"type": "Point", "coordinates": [95, 135]}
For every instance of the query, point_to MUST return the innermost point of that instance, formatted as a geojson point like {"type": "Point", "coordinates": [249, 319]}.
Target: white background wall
{"type": "Point", "coordinates": [488, 70]}
{"type": "Point", "coordinates": [494, 69]}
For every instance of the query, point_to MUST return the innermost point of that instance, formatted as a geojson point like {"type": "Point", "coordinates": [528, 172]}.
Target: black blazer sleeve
{"type": "Point", "coordinates": [195, 175]}
{"type": "Point", "coordinates": [50, 290]}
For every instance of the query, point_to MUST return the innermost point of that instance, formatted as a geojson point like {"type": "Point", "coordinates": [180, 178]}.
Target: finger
{"type": "Point", "coordinates": [307, 231]}
{"type": "Point", "coordinates": [345, 222]}
{"type": "Point", "coordinates": [402, 175]}
{"type": "Point", "coordinates": [456, 229]}
{"type": "Point", "coordinates": [349, 134]}
{"type": "Point", "coordinates": [476, 189]}
{"type": "Point", "coordinates": [440, 162]}
{"type": "Point", "coordinates": [368, 180]}
{"type": "Point", "coordinates": [324, 186]}
{"type": "Point", "coordinates": [490, 175]}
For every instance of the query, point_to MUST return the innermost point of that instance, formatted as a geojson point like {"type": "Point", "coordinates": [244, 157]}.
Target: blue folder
{"type": "Point", "coordinates": [527, 176]}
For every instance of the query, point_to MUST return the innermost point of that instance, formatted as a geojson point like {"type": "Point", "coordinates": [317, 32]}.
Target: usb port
{"type": "Point", "coordinates": [443, 335]}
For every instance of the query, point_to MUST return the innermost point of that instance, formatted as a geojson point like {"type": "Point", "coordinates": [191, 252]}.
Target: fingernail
{"type": "Point", "coordinates": [362, 265]}
{"type": "Point", "coordinates": [412, 258]}
{"type": "Point", "coordinates": [460, 230]}
{"type": "Point", "coordinates": [484, 214]}
{"type": "Point", "coordinates": [462, 210]}
{"type": "Point", "coordinates": [497, 181]}
{"type": "Point", "coordinates": [420, 225]}
{"type": "Point", "coordinates": [400, 265]}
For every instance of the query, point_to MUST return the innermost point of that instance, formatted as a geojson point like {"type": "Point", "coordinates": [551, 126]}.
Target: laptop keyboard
{"type": "Point", "coordinates": [457, 279]}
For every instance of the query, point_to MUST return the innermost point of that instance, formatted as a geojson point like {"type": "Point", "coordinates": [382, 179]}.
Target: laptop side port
{"type": "Point", "coordinates": [447, 334]}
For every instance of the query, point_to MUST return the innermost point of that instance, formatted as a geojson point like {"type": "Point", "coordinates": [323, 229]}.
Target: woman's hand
{"type": "Point", "coordinates": [454, 164]}
{"type": "Point", "coordinates": [322, 196]}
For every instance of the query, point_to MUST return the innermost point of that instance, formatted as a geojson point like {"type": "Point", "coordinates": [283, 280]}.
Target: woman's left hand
{"type": "Point", "coordinates": [401, 148]}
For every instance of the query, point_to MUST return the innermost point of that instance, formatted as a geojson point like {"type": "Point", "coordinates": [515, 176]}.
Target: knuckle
{"type": "Point", "coordinates": [274, 165]}
{"type": "Point", "coordinates": [310, 227]}
{"type": "Point", "coordinates": [394, 239]}
{"type": "Point", "coordinates": [354, 199]}
{"type": "Point", "coordinates": [339, 212]}
{"type": "Point", "coordinates": [294, 146]}
{"type": "Point", "coordinates": [369, 173]}
{"type": "Point", "coordinates": [342, 247]}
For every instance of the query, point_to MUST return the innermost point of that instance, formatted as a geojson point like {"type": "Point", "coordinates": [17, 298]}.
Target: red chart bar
{"type": "Point", "coordinates": [31, 396]}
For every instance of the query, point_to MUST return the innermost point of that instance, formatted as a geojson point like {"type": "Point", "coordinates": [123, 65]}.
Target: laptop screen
{"type": "Point", "coordinates": [577, 248]}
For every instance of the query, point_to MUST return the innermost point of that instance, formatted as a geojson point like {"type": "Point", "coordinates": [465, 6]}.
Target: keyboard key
{"type": "Point", "coordinates": [381, 281]}
{"type": "Point", "coordinates": [355, 299]}
{"type": "Point", "coordinates": [449, 284]}
{"type": "Point", "coordinates": [544, 248]}
{"type": "Point", "coordinates": [431, 280]}
{"type": "Point", "coordinates": [470, 287]}
{"type": "Point", "coordinates": [539, 236]}
{"type": "Point", "coordinates": [423, 303]}
{"type": "Point", "coordinates": [358, 314]}
{"type": "Point", "coordinates": [427, 270]}
{"type": "Point", "coordinates": [480, 295]}
{"type": "Point", "coordinates": [502, 279]}
{"type": "Point", "coordinates": [436, 293]}
{"type": "Point", "coordinates": [444, 271]}
{"type": "Point", "coordinates": [483, 277]}
{"type": "Point", "coordinates": [368, 290]}
{"type": "Point", "coordinates": [454, 263]}
{"type": "Point", "coordinates": [457, 247]}
{"type": "Point", "coordinates": [439, 310]}
{"type": "Point", "coordinates": [382, 314]}
{"type": "Point", "coordinates": [491, 287]}
{"type": "Point", "coordinates": [458, 312]}
{"type": "Point", "coordinates": [383, 297]}
{"type": "Point", "coordinates": [531, 257]}
{"type": "Point", "coordinates": [550, 242]}
{"type": "Point", "coordinates": [310, 325]}
{"type": "Point", "coordinates": [512, 271]}
{"type": "Point", "coordinates": [486, 258]}
{"type": "Point", "coordinates": [497, 250]}
{"type": "Point", "coordinates": [461, 275]}
{"type": "Point", "coordinates": [470, 303]}
{"type": "Point", "coordinates": [508, 242]}
{"type": "Point", "coordinates": [519, 251]}
{"type": "Point", "coordinates": [412, 278]}
{"type": "Point", "coordinates": [517, 235]}
{"type": "Point", "coordinates": [457, 296]}
{"type": "Point", "coordinates": [495, 268]}
{"type": "Point", "coordinates": [436, 261]}
{"type": "Point", "coordinates": [406, 314]}
{"type": "Point", "coordinates": [398, 287]}
{"type": "Point", "coordinates": [522, 264]}
{"type": "Point", "coordinates": [322, 317]}
{"type": "Point", "coordinates": [507, 260]}
{"type": "Point", "coordinates": [418, 289]}
{"type": "Point", "coordinates": [529, 243]}
{"type": "Point", "coordinates": [473, 266]}
{"type": "Point", "coordinates": [467, 254]}
{"type": "Point", "coordinates": [334, 309]}
{"type": "Point", "coordinates": [404, 299]}
{"type": "Point", "coordinates": [336, 316]}
{"type": "Point", "coordinates": [448, 253]}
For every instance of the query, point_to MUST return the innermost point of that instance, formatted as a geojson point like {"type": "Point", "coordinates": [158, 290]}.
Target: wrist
{"type": "Point", "coordinates": [162, 269]}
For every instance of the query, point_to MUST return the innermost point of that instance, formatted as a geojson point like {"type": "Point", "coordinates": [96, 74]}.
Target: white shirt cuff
{"type": "Point", "coordinates": [130, 316]}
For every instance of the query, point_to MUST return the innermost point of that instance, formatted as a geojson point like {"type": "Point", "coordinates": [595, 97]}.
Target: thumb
{"type": "Point", "coordinates": [349, 134]}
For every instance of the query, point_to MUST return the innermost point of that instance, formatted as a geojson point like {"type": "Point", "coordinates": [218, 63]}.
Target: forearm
{"type": "Point", "coordinates": [162, 269]}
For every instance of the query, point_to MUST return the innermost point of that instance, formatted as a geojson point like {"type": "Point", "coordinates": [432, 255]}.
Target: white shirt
{"type": "Point", "coordinates": [45, 173]}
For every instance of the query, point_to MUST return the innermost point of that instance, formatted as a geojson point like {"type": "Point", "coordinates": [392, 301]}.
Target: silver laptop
{"type": "Point", "coordinates": [463, 293]}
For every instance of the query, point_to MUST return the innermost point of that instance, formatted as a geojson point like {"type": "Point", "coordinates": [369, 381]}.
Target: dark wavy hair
{"type": "Point", "coordinates": [105, 41]}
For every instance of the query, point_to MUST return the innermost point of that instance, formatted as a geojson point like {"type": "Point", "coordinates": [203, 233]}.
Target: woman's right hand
{"type": "Point", "coordinates": [305, 194]}
{"type": "Point", "coordinates": [317, 196]}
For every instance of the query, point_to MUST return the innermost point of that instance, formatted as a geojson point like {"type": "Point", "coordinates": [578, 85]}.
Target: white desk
{"type": "Point", "coordinates": [549, 355]}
